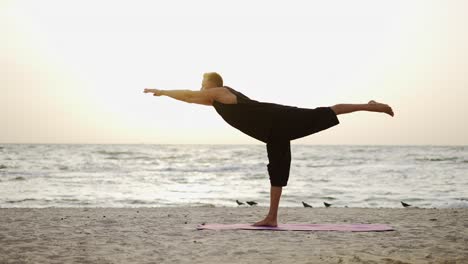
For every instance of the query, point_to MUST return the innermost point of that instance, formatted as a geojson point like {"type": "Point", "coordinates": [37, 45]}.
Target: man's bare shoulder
{"type": "Point", "coordinates": [207, 96]}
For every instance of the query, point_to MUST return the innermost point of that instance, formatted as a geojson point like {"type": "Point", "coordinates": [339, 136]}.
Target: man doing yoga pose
{"type": "Point", "coordinates": [274, 124]}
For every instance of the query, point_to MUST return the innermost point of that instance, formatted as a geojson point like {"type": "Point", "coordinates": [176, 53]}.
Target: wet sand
{"type": "Point", "coordinates": [169, 235]}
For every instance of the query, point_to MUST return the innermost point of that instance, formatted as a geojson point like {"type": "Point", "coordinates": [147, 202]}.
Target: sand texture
{"type": "Point", "coordinates": [169, 235]}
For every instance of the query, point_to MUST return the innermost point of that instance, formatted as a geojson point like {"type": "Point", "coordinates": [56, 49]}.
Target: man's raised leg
{"type": "Point", "coordinates": [372, 106]}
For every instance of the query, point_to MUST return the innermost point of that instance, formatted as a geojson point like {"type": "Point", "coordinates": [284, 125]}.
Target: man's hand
{"type": "Point", "coordinates": [155, 92]}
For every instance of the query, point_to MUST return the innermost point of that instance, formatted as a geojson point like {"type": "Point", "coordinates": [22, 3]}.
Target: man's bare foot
{"type": "Point", "coordinates": [379, 107]}
{"type": "Point", "coordinates": [267, 222]}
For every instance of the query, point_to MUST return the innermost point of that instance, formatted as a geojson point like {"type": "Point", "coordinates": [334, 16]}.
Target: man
{"type": "Point", "coordinates": [274, 124]}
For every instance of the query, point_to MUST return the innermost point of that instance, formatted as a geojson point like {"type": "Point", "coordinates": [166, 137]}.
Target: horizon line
{"type": "Point", "coordinates": [234, 144]}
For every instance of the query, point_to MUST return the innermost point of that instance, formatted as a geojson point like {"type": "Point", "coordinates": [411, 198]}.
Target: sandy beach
{"type": "Point", "coordinates": [169, 235]}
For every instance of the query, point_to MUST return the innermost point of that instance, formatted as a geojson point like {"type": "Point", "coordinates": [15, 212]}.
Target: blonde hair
{"type": "Point", "coordinates": [213, 77]}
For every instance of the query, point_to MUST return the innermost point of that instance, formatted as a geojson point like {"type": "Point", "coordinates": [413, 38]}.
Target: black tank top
{"type": "Point", "coordinates": [252, 117]}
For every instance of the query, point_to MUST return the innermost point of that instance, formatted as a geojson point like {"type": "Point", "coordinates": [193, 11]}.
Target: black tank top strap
{"type": "Point", "coordinates": [241, 98]}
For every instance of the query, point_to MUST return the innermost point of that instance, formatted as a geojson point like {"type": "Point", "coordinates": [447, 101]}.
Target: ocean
{"type": "Point", "coordinates": [144, 175]}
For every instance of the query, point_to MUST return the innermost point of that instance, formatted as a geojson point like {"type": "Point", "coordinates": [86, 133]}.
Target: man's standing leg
{"type": "Point", "coordinates": [272, 218]}
{"type": "Point", "coordinates": [279, 156]}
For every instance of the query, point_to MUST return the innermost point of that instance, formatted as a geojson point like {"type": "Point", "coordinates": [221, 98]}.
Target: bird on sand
{"type": "Point", "coordinates": [239, 203]}
{"type": "Point", "coordinates": [326, 204]}
{"type": "Point", "coordinates": [251, 203]}
{"type": "Point", "coordinates": [306, 204]}
{"type": "Point", "coordinates": [405, 204]}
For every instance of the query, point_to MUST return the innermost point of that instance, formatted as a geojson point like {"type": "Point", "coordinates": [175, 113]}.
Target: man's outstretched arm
{"type": "Point", "coordinates": [188, 96]}
{"type": "Point", "coordinates": [181, 95]}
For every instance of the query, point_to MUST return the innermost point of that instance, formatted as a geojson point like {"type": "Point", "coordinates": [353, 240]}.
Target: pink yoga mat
{"type": "Point", "coordinates": [301, 227]}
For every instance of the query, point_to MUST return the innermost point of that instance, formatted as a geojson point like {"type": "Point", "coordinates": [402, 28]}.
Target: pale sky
{"type": "Point", "coordinates": [74, 71]}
